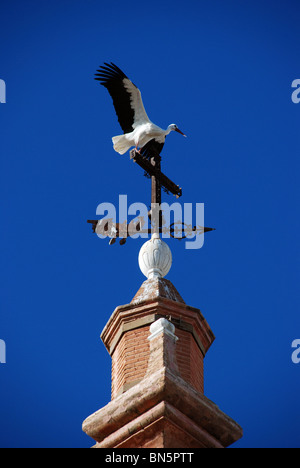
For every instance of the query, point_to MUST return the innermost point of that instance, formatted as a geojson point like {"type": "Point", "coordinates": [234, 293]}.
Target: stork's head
{"type": "Point", "coordinates": [174, 128]}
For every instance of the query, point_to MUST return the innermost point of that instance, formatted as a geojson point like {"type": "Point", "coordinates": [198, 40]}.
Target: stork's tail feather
{"type": "Point", "coordinates": [121, 144]}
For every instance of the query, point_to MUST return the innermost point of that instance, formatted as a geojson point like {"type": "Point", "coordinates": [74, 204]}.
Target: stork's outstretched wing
{"type": "Point", "coordinates": [126, 97]}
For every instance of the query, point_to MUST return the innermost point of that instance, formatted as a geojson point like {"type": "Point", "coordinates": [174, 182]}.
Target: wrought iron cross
{"type": "Point", "coordinates": [158, 181]}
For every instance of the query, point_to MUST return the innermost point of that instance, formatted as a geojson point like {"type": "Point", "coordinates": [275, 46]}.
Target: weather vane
{"type": "Point", "coordinates": [148, 140]}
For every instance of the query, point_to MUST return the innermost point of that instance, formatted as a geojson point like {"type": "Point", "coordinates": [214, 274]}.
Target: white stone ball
{"type": "Point", "coordinates": [155, 258]}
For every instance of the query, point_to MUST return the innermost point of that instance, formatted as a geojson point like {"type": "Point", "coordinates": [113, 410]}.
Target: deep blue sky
{"type": "Point", "coordinates": [222, 70]}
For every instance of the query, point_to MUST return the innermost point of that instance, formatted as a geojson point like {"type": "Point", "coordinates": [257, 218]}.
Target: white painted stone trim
{"type": "Point", "coordinates": [162, 325]}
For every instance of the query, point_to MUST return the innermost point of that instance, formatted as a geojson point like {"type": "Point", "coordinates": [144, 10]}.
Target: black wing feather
{"type": "Point", "coordinates": [111, 77]}
{"type": "Point", "coordinates": [152, 148]}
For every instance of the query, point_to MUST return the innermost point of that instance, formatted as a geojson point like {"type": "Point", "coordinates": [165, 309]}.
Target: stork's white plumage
{"type": "Point", "coordinates": [138, 129]}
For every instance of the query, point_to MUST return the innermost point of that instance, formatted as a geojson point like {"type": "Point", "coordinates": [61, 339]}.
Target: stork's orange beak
{"type": "Point", "coordinates": [179, 131]}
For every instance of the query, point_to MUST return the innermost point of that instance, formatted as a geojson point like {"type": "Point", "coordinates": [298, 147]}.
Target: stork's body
{"type": "Point", "coordinates": [138, 129]}
{"type": "Point", "coordinates": [139, 137]}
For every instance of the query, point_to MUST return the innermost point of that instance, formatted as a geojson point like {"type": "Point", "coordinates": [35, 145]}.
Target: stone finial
{"type": "Point", "coordinates": [155, 258]}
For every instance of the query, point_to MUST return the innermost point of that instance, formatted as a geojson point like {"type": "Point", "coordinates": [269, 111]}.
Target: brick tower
{"type": "Point", "coordinates": [157, 344]}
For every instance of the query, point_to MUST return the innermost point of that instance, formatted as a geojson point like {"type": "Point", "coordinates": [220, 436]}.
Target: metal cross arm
{"type": "Point", "coordinates": [154, 171]}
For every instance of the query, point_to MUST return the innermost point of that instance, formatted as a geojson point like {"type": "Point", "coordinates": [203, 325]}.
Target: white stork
{"type": "Point", "coordinates": [138, 129]}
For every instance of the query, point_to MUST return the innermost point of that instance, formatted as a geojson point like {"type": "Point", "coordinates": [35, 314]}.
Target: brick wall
{"type": "Point", "coordinates": [189, 359]}
{"type": "Point", "coordinates": [130, 359]}
{"type": "Point", "coordinates": [131, 355]}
